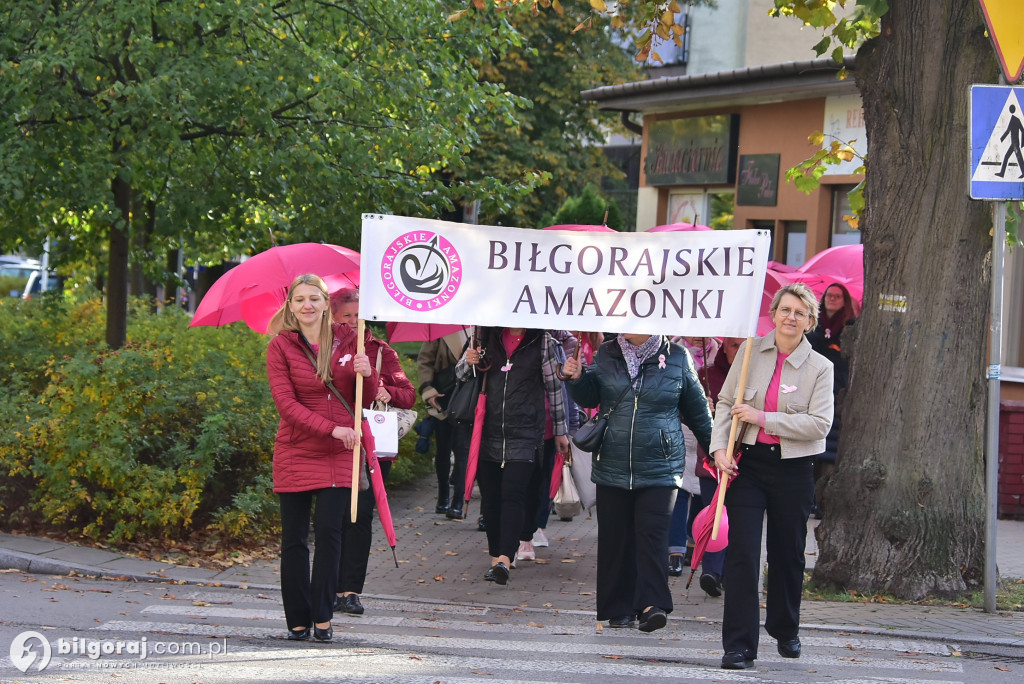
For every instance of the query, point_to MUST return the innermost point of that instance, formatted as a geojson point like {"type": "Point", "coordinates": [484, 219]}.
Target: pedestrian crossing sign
{"type": "Point", "coordinates": [997, 142]}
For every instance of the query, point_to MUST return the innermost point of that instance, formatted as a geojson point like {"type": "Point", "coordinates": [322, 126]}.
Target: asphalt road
{"type": "Point", "coordinates": [208, 634]}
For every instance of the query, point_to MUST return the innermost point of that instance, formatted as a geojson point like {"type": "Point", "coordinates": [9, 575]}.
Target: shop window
{"type": "Point", "coordinates": [842, 232]}
{"type": "Point", "coordinates": [795, 242]}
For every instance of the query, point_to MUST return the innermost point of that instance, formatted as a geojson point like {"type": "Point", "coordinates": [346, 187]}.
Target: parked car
{"type": "Point", "coordinates": [34, 284]}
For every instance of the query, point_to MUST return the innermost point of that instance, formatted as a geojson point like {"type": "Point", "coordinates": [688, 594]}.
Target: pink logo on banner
{"type": "Point", "coordinates": [421, 270]}
{"type": "Point", "coordinates": [379, 419]}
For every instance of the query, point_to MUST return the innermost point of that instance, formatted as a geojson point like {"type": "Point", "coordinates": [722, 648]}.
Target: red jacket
{"type": "Point", "coordinates": [306, 456]}
{"type": "Point", "coordinates": [394, 379]}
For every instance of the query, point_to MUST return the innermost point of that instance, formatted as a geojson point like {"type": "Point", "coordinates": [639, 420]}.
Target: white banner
{"type": "Point", "coordinates": [695, 283]}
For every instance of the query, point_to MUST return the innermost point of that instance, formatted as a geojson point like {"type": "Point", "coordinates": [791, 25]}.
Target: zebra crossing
{"type": "Point", "coordinates": [399, 640]}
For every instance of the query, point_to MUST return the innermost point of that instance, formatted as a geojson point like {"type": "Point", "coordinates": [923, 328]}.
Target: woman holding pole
{"type": "Point", "coordinates": [308, 360]}
{"type": "Point", "coordinates": [787, 398]}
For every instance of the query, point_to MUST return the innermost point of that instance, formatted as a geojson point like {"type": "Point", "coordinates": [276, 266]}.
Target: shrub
{"type": "Point", "coordinates": [171, 434]}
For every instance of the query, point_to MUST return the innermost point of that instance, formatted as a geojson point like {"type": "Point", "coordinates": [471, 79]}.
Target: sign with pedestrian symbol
{"type": "Point", "coordinates": [997, 142]}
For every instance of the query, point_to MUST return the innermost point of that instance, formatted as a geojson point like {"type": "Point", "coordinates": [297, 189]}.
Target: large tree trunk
{"type": "Point", "coordinates": [904, 510]}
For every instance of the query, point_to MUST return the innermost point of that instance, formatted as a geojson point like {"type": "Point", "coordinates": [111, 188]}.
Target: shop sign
{"type": "Point", "coordinates": [759, 180]}
{"type": "Point", "coordinates": [698, 150]}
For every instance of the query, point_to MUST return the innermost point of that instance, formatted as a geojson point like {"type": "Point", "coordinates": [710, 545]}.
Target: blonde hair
{"type": "Point", "coordinates": [284, 319]}
{"type": "Point", "coordinates": [805, 295]}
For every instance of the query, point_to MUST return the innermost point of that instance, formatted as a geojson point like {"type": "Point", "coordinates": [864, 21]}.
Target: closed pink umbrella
{"type": "Point", "coordinates": [380, 494]}
{"type": "Point", "coordinates": [704, 522]}
{"type": "Point", "coordinates": [255, 289]}
{"type": "Point", "coordinates": [475, 439]}
{"type": "Point", "coordinates": [556, 474]}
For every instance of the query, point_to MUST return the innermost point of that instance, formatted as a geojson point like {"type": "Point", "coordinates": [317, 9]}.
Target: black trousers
{"type": "Point", "coordinates": [451, 438]}
{"type": "Point", "coordinates": [632, 535]}
{"type": "Point", "coordinates": [782, 489]}
{"type": "Point", "coordinates": [308, 599]}
{"type": "Point", "coordinates": [508, 501]}
{"type": "Point", "coordinates": [356, 539]}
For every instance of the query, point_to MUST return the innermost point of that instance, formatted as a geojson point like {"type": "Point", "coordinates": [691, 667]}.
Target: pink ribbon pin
{"type": "Point", "coordinates": [661, 360]}
{"type": "Point", "coordinates": [345, 359]}
{"type": "Point", "coordinates": [786, 389]}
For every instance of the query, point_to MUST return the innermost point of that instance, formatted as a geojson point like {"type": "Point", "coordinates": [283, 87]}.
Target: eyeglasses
{"type": "Point", "coordinates": [833, 295]}
{"type": "Point", "coordinates": [786, 312]}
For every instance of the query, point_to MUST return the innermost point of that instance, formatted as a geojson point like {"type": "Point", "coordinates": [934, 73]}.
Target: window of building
{"type": "Point", "coordinates": [770, 227]}
{"type": "Point", "coordinates": [842, 232]}
{"type": "Point", "coordinates": [795, 236]}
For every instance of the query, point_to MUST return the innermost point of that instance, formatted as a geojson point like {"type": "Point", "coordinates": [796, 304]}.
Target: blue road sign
{"type": "Point", "coordinates": [997, 142]}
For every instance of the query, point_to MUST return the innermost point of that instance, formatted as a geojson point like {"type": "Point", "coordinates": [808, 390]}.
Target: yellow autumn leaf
{"type": "Point", "coordinates": [599, 5]}
{"type": "Point", "coordinates": [846, 153]}
{"type": "Point", "coordinates": [816, 138]}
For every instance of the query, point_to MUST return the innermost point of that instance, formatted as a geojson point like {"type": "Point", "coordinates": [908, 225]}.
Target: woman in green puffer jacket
{"type": "Point", "coordinates": [638, 467]}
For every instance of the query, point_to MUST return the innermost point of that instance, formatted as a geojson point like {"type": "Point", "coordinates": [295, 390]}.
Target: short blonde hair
{"type": "Point", "coordinates": [804, 294]}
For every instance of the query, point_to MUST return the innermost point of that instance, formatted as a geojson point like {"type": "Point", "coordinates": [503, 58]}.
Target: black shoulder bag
{"type": "Point", "coordinates": [591, 433]}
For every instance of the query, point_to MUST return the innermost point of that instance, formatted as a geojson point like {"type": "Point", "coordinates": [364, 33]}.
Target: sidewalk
{"type": "Point", "coordinates": [443, 561]}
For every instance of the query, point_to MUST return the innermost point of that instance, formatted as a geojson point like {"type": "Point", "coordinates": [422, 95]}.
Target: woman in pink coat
{"type": "Point", "coordinates": [313, 449]}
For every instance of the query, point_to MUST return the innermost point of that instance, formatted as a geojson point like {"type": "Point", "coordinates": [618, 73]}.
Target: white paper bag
{"type": "Point", "coordinates": [384, 426]}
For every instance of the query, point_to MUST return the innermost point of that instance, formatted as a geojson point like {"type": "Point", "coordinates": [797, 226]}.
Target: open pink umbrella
{"type": "Point", "coordinates": [420, 332]}
{"type": "Point", "coordinates": [380, 494]}
{"type": "Point", "coordinates": [475, 439]}
{"type": "Point", "coordinates": [255, 289]}
{"type": "Point", "coordinates": [843, 264]}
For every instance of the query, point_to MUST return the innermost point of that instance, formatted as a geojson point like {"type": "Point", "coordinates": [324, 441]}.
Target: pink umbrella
{"type": "Point", "coordinates": [676, 227]}
{"type": "Point", "coordinates": [773, 281]}
{"type": "Point", "coordinates": [704, 522]}
{"type": "Point", "coordinates": [475, 439]}
{"type": "Point", "coordinates": [843, 264]}
{"type": "Point", "coordinates": [556, 474]}
{"type": "Point", "coordinates": [380, 495]}
{"type": "Point", "coordinates": [255, 289]}
{"type": "Point", "coordinates": [419, 332]}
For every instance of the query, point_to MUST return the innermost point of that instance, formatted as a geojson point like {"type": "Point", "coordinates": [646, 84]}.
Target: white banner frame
{"type": "Point", "coordinates": [693, 283]}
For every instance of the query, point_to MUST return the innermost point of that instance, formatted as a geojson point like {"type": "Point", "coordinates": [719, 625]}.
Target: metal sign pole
{"type": "Point", "coordinates": [991, 579]}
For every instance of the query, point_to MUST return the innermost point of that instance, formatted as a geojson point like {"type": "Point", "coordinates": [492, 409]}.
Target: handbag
{"type": "Point", "coordinates": [405, 418]}
{"type": "Point", "coordinates": [567, 498]}
{"type": "Point", "coordinates": [462, 404]}
{"type": "Point", "coordinates": [581, 463]}
{"type": "Point", "coordinates": [384, 426]}
{"type": "Point", "coordinates": [590, 435]}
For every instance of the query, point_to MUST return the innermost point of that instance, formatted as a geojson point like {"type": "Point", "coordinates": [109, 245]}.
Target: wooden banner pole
{"type": "Point", "coordinates": [740, 391]}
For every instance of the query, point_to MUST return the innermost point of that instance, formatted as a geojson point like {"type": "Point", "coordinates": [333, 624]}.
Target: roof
{"type": "Point", "coordinates": [750, 85]}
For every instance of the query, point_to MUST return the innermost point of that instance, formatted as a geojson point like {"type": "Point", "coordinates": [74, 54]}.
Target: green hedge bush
{"type": "Point", "coordinates": [171, 434]}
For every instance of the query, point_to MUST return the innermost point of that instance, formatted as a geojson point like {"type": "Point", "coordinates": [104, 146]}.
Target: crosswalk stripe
{"type": "Point", "coordinates": [548, 645]}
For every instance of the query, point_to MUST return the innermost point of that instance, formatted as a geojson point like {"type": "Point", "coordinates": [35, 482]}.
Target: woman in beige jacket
{"type": "Point", "coordinates": [786, 410]}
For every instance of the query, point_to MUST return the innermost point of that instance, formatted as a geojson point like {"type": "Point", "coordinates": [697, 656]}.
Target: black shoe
{"type": "Point", "coordinates": [688, 557]}
{"type": "Point", "coordinates": [621, 622]}
{"type": "Point", "coordinates": [339, 604]}
{"type": "Point", "coordinates": [351, 604]}
{"type": "Point", "coordinates": [442, 506]}
{"type": "Point", "coordinates": [653, 618]}
{"type": "Point", "coordinates": [298, 634]}
{"type": "Point", "coordinates": [675, 564]}
{"type": "Point", "coordinates": [325, 634]}
{"type": "Point", "coordinates": [734, 660]}
{"type": "Point", "coordinates": [489, 575]}
{"type": "Point", "coordinates": [480, 527]}
{"type": "Point", "coordinates": [711, 584]}
{"type": "Point", "coordinates": [455, 513]}
{"type": "Point", "coordinates": [500, 572]}
{"type": "Point", "coordinates": [566, 518]}
{"type": "Point", "coordinates": [790, 648]}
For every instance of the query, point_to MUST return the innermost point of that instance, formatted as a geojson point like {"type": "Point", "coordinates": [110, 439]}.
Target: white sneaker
{"type": "Point", "coordinates": [525, 551]}
{"type": "Point", "coordinates": [539, 539]}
